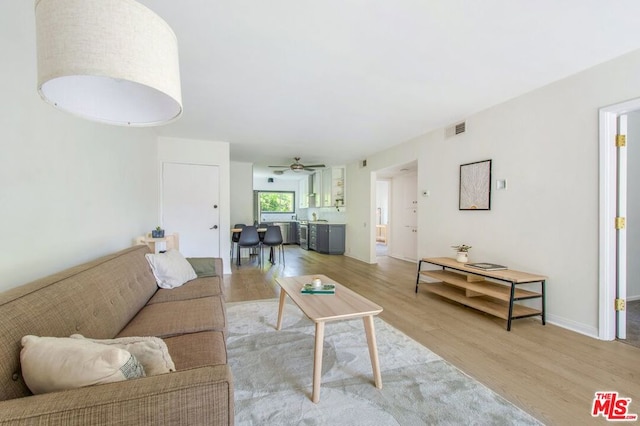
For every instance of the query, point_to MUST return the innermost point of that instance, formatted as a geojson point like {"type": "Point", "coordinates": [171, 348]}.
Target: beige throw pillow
{"type": "Point", "coordinates": [171, 269]}
{"type": "Point", "coordinates": [51, 364]}
{"type": "Point", "coordinates": [150, 351]}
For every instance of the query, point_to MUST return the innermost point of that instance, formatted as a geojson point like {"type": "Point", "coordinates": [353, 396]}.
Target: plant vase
{"type": "Point", "coordinates": [462, 257]}
{"type": "Point", "coordinates": [157, 233]}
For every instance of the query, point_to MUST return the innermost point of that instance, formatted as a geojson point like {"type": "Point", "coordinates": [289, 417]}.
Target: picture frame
{"type": "Point", "coordinates": [475, 186]}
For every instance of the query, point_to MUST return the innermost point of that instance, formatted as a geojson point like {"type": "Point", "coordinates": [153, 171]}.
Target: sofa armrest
{"type": "Point", "coordinates": [201, 395]}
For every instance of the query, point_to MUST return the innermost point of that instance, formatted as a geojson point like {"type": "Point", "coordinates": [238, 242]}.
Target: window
{"type": "Point", "coordinates": [277, 201]}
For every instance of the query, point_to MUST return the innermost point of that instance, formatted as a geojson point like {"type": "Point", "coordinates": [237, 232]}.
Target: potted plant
{"type": "Point", "coordinates": [462, 253]}
{"type": "Point", "coordinates": [157, 233]}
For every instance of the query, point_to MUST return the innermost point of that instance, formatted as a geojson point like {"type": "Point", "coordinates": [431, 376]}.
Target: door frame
{"type": "Point", "coordinates": [608, 119]}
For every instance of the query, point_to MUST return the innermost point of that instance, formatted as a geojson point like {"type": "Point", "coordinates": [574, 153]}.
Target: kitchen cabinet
{"type": "Point", "coordinates": [303, 193]}
{"type": "Point", "coordinates": [333, 187]}
{"type": "Point", "coordinates": [313, 234]}
{"type": "Point", "coordinates": [315, 181]}
{"type": "Point", "coordinates": [327, 238]}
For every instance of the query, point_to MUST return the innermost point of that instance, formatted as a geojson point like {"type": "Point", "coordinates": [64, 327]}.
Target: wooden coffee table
{"type": "Point", "coordinates": [322, 308]}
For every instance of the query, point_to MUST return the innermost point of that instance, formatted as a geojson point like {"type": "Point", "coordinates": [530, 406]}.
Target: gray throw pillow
{"type": "Point", "coordinates": [204, 266]}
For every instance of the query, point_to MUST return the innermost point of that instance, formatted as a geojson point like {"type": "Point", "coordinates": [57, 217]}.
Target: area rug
{"type": "Point", "coordinates": [273, 376]}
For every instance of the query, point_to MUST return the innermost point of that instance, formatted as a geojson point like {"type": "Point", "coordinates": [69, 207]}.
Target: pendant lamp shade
{"type": "Point", "coordinates": [112, 61]}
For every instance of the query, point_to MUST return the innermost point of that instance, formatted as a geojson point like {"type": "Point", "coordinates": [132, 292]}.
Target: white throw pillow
{"type": "Point", "coordinates": [171, 269]}
{"type": "Point", "coordinates": [52, 364]}
{"type": "Point", "coordinates": [150, 351]}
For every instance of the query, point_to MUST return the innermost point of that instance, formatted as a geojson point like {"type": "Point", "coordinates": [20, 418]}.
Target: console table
{"type": "Point", "coordinates": [469, 286]}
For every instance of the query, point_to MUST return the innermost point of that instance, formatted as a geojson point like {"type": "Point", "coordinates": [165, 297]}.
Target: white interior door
{"type": "Point", "coordinates": [621, 234]}
{"type": "Point", "coordinates": [190, 207]}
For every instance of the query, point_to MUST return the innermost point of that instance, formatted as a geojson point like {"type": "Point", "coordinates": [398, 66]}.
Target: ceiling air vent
{"type": "Point", "coordinates": [456, 129]}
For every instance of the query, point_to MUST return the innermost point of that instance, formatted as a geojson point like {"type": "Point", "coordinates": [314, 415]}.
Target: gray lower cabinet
{"type": "Point", "coordinates": [327, 238]}
{"type": "Point", "coordinates": [313, 236]}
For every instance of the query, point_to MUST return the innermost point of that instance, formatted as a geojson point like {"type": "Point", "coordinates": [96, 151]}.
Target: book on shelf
{"type": "Point", "coordinates": [487, 266]}
{"type": "Point", "coordinates": [323, 289]}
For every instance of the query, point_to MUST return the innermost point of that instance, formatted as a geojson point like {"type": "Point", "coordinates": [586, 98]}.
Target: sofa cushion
{"type": "Point", "coordinates": [200, 287]}
{"type": "Point", "coordinates": [150, 351]}
{"type": "Point", "coordinates": [171, 269]}
{"type": "Point", "coordinates": [52, 364]}
{"type": "Point", "coordinates": [174, 318]}
{"type": "Point", "coordinates": [197, 349]}
{"type": "Point", "coordinates": [203, 266]}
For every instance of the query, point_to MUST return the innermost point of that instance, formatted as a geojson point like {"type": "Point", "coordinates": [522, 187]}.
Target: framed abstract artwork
{"type": "Point", "coordinates": [475, 186]}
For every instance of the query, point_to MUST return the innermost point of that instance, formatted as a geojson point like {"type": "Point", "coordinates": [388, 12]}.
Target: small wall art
{"type": "Point", "coordinates": [475, 186]}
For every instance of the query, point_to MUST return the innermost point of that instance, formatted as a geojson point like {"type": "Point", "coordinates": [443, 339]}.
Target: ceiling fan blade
{"type": "Point", "coordinates": [280, 166]}
{"type": "Point", "coordinates": [309, 170]}
{"type": "Point", "coordinates": [315, 165]}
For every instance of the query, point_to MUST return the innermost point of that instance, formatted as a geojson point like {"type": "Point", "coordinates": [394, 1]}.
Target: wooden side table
{"type": "Point", "coordinates": [468, 286]}
{"type": "Point", "coordinates": [171, 241]}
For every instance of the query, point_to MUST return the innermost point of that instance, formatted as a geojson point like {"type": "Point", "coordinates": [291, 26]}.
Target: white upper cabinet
{"type": "Point", "coordinates": [303, 193]}
{"type": "Point", "coordinates": [332, 190]}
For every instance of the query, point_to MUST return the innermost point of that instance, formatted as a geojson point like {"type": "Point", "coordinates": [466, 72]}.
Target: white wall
{"type": "Point", "coordinates": [545, 144]}
{"type": "Point", "coordinates": [242, 193]}
{"type": "Point", "coordinates": [361, 190]}
{"type": "Point", "coordinates": [633, 206]}
{"type": "Point", "coordinates": [70, 190]}
{"type": "Point", "coordinates": [191, 151]}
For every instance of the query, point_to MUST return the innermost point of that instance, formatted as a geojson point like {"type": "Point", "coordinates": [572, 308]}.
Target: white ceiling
{"type": "Point", "coordinates": [333, 81]}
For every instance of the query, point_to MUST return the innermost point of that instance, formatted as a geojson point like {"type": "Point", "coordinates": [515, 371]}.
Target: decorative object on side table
{"type": "Point", "coordinates": [157, 233]}
{"type": "Point", "coordinates": [462, 253]}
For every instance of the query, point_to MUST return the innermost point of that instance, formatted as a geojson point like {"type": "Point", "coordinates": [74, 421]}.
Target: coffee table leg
{"type": "Point", "coordinates": [317, 361]}
{"type": "Point", "coordinates": [283, 294]}
{"type": "Point", "coordinates": [373, 350]}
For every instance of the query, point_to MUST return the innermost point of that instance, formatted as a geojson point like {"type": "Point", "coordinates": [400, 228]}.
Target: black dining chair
{"type": "Point", "coordinates": [273, 238]}
{"type": "Point", "coordinates": [249, 239]}
{"type": "Point", "coordinates": [235, 237]}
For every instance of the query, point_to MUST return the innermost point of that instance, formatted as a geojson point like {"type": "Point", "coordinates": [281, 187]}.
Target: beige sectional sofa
{"type": "Point", "coordinates": [117, 296]}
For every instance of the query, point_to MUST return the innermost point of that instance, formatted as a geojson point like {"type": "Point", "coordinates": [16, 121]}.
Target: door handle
{"type": "Point", "coordinates": [215, 206]}
{"type": "Point", "coordinates": [214, 227]}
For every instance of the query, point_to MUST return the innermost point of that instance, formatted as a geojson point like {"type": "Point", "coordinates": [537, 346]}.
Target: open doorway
{"type": "Point", "coordinates": [633, 228]}
{"type": "Point", "coordinates": [402, 221]}
{"type": "Point", "coordinates": [619, 205]}
{"type": "Point", "coordinates": [383, 192]}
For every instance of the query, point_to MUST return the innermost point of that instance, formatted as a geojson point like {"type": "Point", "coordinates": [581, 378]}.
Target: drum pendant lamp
{"type": "Point", "coordinates": [111, 61]}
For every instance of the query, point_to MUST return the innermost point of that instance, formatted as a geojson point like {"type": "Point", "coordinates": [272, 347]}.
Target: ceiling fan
{"type": "Point", "coordinates": [297, 166]}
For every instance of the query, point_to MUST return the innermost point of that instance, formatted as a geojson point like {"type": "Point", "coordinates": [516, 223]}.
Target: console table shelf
{"type": "Point", "coordinates": [469, 286]}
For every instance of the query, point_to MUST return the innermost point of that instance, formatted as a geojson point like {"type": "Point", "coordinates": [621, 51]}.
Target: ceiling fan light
{"type": "Point", "coordinates": [112, 61]}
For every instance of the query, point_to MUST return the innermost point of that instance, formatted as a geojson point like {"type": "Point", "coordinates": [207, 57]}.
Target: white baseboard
{"type": "Point", "coordinates": [358, 258]}
{"type": "Point", "coordinates": [578, 327]}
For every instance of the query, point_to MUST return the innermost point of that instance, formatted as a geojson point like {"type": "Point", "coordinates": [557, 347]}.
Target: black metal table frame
{"type": "Point", "coordinates": [512, 297]}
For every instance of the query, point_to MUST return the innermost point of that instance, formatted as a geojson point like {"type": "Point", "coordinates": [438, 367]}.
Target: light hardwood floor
{"type": "Point", "coordinates": [548, 371]}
